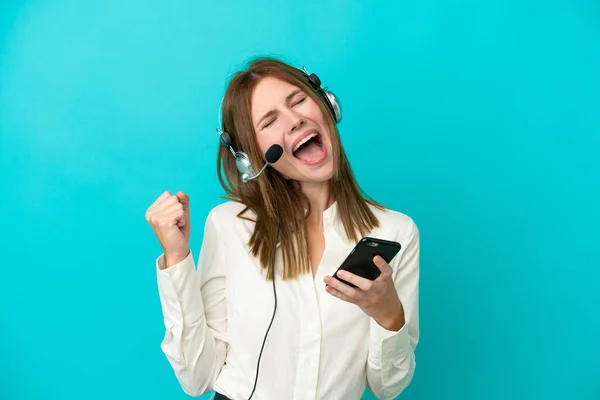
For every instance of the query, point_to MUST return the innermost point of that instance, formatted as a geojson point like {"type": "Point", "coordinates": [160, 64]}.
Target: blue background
{"type": "Point", "coordinates": [481, 120]}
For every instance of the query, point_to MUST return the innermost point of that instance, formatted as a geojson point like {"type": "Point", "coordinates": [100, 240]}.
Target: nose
{"type": "Point", "coordinates": [296, 122]}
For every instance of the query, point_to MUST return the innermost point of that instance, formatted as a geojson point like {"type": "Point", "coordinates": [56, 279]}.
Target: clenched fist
{"type": "Point", "coordinates": [169, 217]}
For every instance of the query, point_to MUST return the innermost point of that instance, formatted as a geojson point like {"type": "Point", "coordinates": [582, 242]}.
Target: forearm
{"type": "Point", "coordinates": [192, 348]}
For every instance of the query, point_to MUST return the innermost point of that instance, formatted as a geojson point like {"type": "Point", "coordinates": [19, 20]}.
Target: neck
{"type": "Point", "coordinates": [319, 196]}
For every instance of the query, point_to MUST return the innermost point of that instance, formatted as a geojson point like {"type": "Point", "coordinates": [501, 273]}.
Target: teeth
{"type": "Point", "coordinates": [306, 139]}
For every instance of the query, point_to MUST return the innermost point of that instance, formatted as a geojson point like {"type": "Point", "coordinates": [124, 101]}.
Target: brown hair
{"type": "Point", "coordinates": [257, 196]}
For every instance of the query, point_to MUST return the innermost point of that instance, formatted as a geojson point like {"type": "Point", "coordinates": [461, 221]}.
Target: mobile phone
{"type": "Point", "coordinates": [360, 260]}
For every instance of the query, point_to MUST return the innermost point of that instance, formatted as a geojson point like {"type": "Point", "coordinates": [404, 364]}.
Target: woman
{"type": "Point", "coordinates": [327, 339]}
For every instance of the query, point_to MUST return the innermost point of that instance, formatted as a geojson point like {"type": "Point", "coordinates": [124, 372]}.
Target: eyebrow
{"type": "Point", "coordinates": [288, 98]}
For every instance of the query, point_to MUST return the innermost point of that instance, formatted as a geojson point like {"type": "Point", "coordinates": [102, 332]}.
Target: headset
{"type": "Point", "coordinates": [244, 167]}
{"type": "Point", "coordinates": [242, 161]}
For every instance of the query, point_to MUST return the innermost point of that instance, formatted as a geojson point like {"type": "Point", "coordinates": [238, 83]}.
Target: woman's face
{"type": "Point", "coordinates": [284, 114]}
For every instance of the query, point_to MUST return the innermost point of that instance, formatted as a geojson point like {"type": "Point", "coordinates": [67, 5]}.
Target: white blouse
{"type": "Point", "coordinates": [319, 346]}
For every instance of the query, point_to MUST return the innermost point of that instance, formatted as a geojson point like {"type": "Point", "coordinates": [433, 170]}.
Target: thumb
{"type": "Point", "coordinates": [184, 199]}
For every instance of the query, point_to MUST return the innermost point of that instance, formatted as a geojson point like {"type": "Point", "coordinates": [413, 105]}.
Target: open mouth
{"type": "Point", "coordinates": [309, 149]}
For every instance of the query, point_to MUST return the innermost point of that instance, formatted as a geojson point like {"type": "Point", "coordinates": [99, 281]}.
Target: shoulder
{"type": "Point", "coordinates": [394, 223]}
{"type": "Point", "coordinates": [226, 216]}
{"type": "Point", "coordinates": [227, 212]}
{"type": "Point", "coordinates": [228, 209]}
{"type": "Point", "coordinates": [390, 218]}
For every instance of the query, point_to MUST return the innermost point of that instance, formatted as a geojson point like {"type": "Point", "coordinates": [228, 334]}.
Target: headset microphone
{"type": "Point", "coordinates": [272, 155]}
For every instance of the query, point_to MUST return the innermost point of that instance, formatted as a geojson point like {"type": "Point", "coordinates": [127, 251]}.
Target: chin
{"type": "Point", "coordinates": [321, 174]}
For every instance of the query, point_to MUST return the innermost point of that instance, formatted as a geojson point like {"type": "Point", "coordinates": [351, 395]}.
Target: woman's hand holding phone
{"type": "Point", "coordinates": [377, 297]}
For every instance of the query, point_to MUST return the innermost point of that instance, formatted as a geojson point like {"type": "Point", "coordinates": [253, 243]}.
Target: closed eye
{"type": "Point", "coordinates": [300, 100]}
{"type": "Point", "coordinates": [269, 122]}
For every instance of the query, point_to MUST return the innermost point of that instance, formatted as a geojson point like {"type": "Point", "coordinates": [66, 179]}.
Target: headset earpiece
{"type": "Point", "coordinates": [242, 161]}
{"type": "Point", "coordinates": [335, 105]}
{"type": "Point", "coordinates": [330, 99]}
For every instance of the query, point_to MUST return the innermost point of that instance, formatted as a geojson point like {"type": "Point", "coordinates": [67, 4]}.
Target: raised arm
{"type": "Point", "coordinates": [192, 300]}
